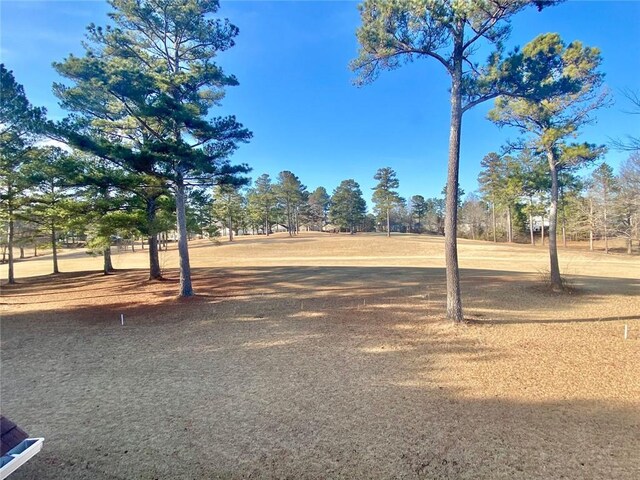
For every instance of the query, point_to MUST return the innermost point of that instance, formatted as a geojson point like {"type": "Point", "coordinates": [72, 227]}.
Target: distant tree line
{"type": "Point", "coordinates": [513, 202]}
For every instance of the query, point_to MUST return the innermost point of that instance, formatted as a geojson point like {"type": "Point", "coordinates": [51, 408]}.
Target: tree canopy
{"type": "Point", "coordinates": [348, 207]}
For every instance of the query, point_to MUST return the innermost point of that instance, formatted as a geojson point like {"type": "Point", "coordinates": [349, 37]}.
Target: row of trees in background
{"type": "Point", "coordinates": [58, 195]}
{"type": "Point", "coordinates": [511, 205]}
{"type": "Point", "coordinates": [515, 201]}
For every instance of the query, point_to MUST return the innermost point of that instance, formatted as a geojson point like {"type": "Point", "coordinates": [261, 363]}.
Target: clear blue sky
{"type": "Point", "coordinates": [296, 91]}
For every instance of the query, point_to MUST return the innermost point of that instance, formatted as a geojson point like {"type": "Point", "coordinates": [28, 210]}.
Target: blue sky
{"type": "Point", "coordinates": [296, 91]}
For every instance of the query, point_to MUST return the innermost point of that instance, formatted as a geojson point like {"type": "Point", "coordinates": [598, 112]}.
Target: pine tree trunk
{"type": "Point", "coordinates": [230, 227]}
{"type": "Point", "coordinates": [454, 300]}
{"type": "Point", "coordinates": [54, 249]}
{"type": "Point", "coordinates": [554, 266]}
{"type": "Point", "coordinates": [155, 273]}
{"type": "Point", "coordinates": [11, 280]}
{"type": "Point", "coordinates": [533, 238]}
{"type": "Point", "coordinates": [509, 227]}
{"type": "Point", "coordinates": [21, 252]}
{"type": "Point", "coordinates": [388, 223]}
{"type": "Point", "coordinates": [107, 266]}
{"type": "Point", "coordinates": [493, 215]}
{"type": "Point", "coordinates": [185, 289]}
{"type": "Point", "coordinates": [542, 230]}
{"type": "Point", "coordinates": [606, 239]}
{"type": "Point", "coordinates": [591, 225]}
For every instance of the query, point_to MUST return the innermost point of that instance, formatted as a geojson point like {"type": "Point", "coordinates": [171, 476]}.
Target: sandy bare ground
{"type": "Point", "coordinates": [326, 356]}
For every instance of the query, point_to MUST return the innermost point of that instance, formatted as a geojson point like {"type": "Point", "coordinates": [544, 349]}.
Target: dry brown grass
{"type": "Point", "coordinates": [326, 356]}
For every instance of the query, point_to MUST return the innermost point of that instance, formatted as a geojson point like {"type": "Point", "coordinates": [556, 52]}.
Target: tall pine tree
{"type": "Point", "coordinates": [155, 73]}
{"type": "Point", "coordinates": [398, 31]}
{"type": "Point", "coordinates": [565, 87]}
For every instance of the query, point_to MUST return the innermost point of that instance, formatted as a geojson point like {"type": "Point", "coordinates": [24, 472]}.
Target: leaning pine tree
{"type": "Point", "coordinates": [154, 71]}
{"type": "Point", "coordinates": [397, 31]}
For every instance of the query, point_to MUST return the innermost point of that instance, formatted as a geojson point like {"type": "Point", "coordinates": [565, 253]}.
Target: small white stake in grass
{"type": "Point", "coordinates": [626, 331]}
{"type": "Point", "coordinates": [122, 319]}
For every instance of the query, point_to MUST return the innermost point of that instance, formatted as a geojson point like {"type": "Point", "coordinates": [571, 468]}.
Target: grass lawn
{"type": "Point", "coordinates": [326, 356]}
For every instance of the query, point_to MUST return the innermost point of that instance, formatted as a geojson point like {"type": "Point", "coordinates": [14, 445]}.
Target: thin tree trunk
{"type": "Point", "coordinates": [542, 230]}
{"type": "Point", "coordinates": [509, 227]}
{"type": "Point", "coordinates": [493, 214]}
{"type": "Point", "coordinates": [564, 235]}
{"type": "Point", "coordinates": [11, 279]}
{"type": "Point", "coordinates": [230, 227]}
{"type": "Point", "coordinates": [454, 300]}
{"type": "Point", "coordinates": [591, 225]}
{"type": "Point", "coordinates": [21, 252]}
{"type": "Point", "coordinates": [54, 249]}
{"type": "Point", "coordinates": [533, 238]}
{"type": "Point", "coordinates": [388, 223]}
{"type": "Point", "coordinates": [185, 289]}
{"type": "Point", "coordinates": [554, 266]}
{"type": "Point", "coordinates": [606, 239]}
{"type": "Point", "coordinates": [155, 273]}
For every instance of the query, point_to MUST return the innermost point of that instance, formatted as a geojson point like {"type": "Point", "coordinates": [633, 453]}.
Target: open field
{"type": "Point", "coordinates": [326, 356]}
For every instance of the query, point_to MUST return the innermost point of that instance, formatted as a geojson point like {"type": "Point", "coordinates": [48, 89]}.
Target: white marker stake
{"type": "Point", "coordinates": [626, 331]}
{"type": "Point", "coordinates": [122, 319]}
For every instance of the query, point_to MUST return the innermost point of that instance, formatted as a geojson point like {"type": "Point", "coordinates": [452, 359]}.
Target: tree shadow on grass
{"type": "Point", "coordinates": [292, 289]}
{"type": "Point", "coordinates": [281, 387]}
